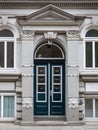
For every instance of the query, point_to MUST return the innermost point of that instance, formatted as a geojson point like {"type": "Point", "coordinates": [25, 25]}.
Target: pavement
{"type": "Point", "coordinates": [5, 126]}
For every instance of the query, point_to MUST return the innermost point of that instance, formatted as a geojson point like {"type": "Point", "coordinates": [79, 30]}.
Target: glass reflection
{"type": "Point", "coordinates": [56, 88]}
{"type": "Point", "coordinates": [41, 70]}
{"type": "Point", "coordinates": [57, 70]}
{"type": "Point", "coordinates": [41, 88]}
{"type": "Point", "coordinates": [56, 79]}
{"type": "Point", "coordinates": [41, 79]}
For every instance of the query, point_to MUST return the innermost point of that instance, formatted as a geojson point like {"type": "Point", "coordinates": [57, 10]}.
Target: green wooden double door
{"type": "Point", "coordinates": [49, 87]}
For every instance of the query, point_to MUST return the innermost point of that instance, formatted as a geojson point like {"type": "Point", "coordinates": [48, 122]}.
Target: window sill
{"type": "Point", "coordinates": [8, 119]}
{"type": "Point", "coordinates": [91, 71]}
{"type": "Point", "coordinates": [89, 75]}
{"type": "Point", "coordinates": [8, 70]}
{"type": "Point", "coordinates": [9, 75]}
{"type": "Point", "coordinates": [91, 119]}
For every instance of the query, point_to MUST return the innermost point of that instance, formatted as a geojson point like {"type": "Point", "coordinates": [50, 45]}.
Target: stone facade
{"type": "Point", "coordinates": [33, 25]}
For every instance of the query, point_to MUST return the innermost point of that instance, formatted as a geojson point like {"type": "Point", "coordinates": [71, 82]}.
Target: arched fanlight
{"type": "Point", "coordinates": [6, 33]}
{"type": "Point", "coordinates": [49, 50]}
{"type": "Point", "coordinates": [92, 33]}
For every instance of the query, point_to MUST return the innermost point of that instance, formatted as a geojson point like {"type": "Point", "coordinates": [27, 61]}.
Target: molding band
{"type": "Point", "coordinates": [72, 65]}
{"type": "Point", "coordinates": [27, 65]}
{"type": "Point", "coordinates": [14, 4]}
{"type": "Point", "coordinates": [73, 75]}
{"type": "Point", "coordinates": [27, 75]}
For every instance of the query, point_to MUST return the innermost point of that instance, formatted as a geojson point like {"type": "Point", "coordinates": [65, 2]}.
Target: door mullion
{"type": "Point", "coordinates": [48, 77]}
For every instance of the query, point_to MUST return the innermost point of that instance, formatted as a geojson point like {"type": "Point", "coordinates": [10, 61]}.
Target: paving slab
{"type": "Point", "coordinates": [40, 127]}
{"type": "Point", "coordinates": [53, 128]}
{"type": "Point", "coordinates": [65, 128]}
{"type": "Point", "coordinates": [91, 127]}
{"type": "Point", "coordinates": [26, 128]}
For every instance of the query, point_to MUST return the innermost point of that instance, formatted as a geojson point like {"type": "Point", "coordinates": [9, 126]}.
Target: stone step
{"type": "Point", "coordinates": [50, 123]}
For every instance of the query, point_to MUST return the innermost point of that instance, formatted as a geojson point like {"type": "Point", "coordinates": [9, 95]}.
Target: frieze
{"type": "Point", "coordinates": [73, 103]}
{"type": "Point", "coordinates": [35, 3]}
{"type": "Point", "coordinates": [27, 102]}
{"type": "Point", "coordinates": [27, 34]}
{"type": "Point", "coordinates": [73, 35]}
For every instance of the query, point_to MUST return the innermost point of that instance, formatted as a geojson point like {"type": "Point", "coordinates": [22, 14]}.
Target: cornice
{"type": "Point", "coordinates": [9, 77]}
{"type": "Point", "coordinates": [16, 4]}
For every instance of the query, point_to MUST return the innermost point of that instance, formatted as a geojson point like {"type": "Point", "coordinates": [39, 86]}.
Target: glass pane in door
{"type": "Point", "coordinates": [56, 83]}
{"type": "Point", "coordinates": [41, 84]}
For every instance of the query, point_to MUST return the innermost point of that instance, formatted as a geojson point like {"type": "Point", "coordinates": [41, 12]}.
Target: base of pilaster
{"type": "Point", "coordinates": [25, 123]}
{"type": "Point", "coordinates": [76, 123]}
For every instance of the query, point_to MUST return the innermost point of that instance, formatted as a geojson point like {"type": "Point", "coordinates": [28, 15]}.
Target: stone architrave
{"type": "Point", "coordinates": [73, 35]}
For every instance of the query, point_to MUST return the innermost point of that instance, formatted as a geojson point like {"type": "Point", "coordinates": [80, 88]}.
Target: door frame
{"type": "Point", "coordinates": [54, 62]}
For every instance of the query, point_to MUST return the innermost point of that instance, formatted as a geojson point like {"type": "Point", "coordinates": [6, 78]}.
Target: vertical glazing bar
{"type": "Point", "coordinates": [5, 54]}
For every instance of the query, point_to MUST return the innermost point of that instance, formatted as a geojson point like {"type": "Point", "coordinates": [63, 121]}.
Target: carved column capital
{"type": "Point", "coordinates": [73, 35]}
{"type": "Point", "coordinates": [73, 103]}
{"type": "Point", "coordinates": [27, 34]}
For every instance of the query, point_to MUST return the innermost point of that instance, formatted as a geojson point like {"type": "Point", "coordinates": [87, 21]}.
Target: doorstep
{"type": "Point", "coordinates": [50, 123]}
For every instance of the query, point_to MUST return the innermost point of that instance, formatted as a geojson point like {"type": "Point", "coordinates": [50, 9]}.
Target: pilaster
{"type": "Point", "coordinates": [73, 39]}
{"type": "Point", "coordinates": [27, 76]}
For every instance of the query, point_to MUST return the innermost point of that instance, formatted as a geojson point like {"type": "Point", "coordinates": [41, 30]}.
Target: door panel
{"type": "Point", "coordinates": [56, 86]}
{"type": "Point", "coordinates": [57, 102]}
{"type": "Point", "coordinates": [49, 89]}
{"type": "Point", "coordinates": [40, 90]}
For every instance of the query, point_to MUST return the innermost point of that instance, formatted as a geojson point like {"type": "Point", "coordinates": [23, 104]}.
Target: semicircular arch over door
{"type": "Point", "coordinates": [49, 80]}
